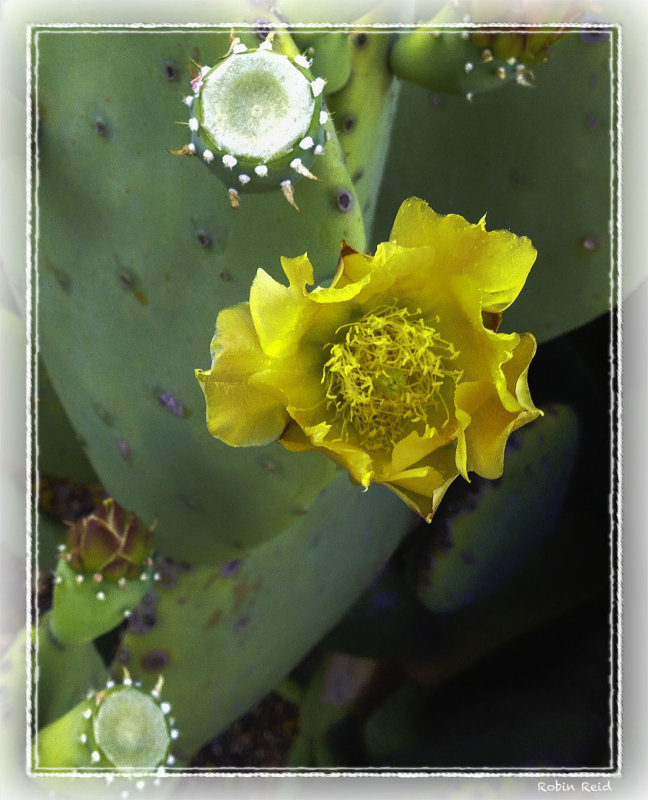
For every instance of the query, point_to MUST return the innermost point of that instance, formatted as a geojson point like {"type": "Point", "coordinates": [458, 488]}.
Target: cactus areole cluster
{"type": "Point", "coordinates": [257, 120]}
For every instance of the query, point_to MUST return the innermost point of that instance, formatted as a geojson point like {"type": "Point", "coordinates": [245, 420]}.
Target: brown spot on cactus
{"type": "Point", "coordinates": [242, 624]}
{"type": "Point", "coordinates": [171, 70]}
{"type": "Point", "coordinates": [213, 619]}
{"type": "Point", "coordinates": [130, 283]}
{"type": "Point", "coordinates": [349, 123]}
{"type": "Point", "coordinates": [203, 239]}
{"type": "Point", "coordinates": [361, 40]}
{"type": "Point", "coordinates": [243, 590]}
{"type": "Point", "coordinates": [62, 278]}
{"type": "Point", "coordinates": [155, 660]}
{"type": "Point", "coordinates": [262, 28]}
{"type": "Point", "coordinates": [225, 276]}
{"type": "Point", "coordinates": [188, 501]}
{"type": "Point", "coordinates": [515, 179]}
{"type": "Point", "coordinates": [169, 570]}
{"type": "Point", "coordinates": [231, 568]}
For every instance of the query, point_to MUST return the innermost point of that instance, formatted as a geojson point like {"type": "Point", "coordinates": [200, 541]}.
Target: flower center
{"type": "Point", "coordinates": [387, 376]}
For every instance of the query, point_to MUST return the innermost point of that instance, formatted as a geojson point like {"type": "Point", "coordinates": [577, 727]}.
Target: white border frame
{"type": "Point", "coordinates": [616, 497]}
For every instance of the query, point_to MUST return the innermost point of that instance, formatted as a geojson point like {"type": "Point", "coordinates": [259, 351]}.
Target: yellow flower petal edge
{"type": "Point", "coordinates": [395, 371]}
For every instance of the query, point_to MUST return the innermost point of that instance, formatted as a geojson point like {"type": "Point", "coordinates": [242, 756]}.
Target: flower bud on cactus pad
{"type": "Point", "coordinates": [257, 120]}
{"type": "Point", "coordinates": [103, 573]}
{"type": "Point", "coordinates": [111, 542]}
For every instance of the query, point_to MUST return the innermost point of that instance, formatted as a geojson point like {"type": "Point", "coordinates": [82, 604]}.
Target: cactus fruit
{"type": "Point", "coordinates": [102, 574]}
{"type": "Point", "coordinates": [449, 61]}
{"type": "Point", "coordinates": [256, 119]}
{"type": "Point", "coordinates": [111, 542]}
{"type": "Point", "coordinates": [453, 54]}
{"type": "Point", "coordinates": [120, 727]}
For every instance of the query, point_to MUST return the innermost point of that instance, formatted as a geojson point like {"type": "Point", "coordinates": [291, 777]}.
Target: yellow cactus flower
{"type": "Point", "coordinates": [395, 371]}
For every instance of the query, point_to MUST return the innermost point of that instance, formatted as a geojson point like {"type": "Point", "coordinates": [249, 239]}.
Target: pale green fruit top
{"type": "Point", "coordinates": [131, 729]}
{"type": "Point", "coordinates": [257, 106]}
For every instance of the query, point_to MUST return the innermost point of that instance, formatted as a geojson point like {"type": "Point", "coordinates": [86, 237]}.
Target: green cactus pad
{"type": "Point", "coordinates": [331, 54]}
{"type": "Point", "coordinates": [60, 452]}
{"type": "Point", "coordinates": [224, 637]}
{"type": "Point", "coordinates": [84, 609]}
{"type": "Point", "coordinates": [495, 526]}
{"type": "Point", "coordinates": [64, 673]}
{"type": "Point", "coordinates": [364, 111]}
{"type": "Point", "coordinates": [133, 269]}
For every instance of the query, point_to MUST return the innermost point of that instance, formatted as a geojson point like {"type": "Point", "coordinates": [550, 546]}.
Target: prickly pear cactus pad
{"type": "Point", "coordinates": [395, 370]}
{"type": "Point", "coordinates": [133, 269]}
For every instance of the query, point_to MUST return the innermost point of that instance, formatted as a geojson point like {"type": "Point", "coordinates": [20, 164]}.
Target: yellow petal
{"type": "Point", "coordinates": [280, 313]}
{"type": "Point", "coordinates": [423, 504]}
{"type": "Point", "coordinates": [240, 415]}
{"type": "Point", "coordinates": [299, 272]}
{"type": "Point", "coordinates": [516, 371]}
{"type": "Point", "coordinates": [296, 440]}
{"type": "Point", "coordinates": [358, 462]}
{"type": "Point", "coordinates": [235, 348]}
{"type": "Point", "coordinates": [413, 448]}
{"type": "Point", "coordinates": [490, 425]}
{"type": "Point", "coordinates": [498, 261]}
{"type": "Point", "coordinates": [352, 267]}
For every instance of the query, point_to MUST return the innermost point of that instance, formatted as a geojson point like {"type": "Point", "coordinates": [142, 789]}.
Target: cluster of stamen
{"type": "Point", "coordinates": [386, 377]}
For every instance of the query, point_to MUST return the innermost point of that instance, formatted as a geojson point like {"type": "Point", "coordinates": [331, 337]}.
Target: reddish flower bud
{"type": "Point", "coordinates": [111, 541]}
